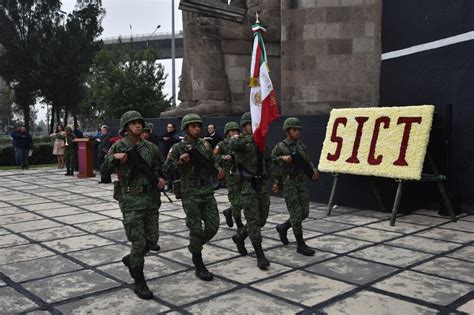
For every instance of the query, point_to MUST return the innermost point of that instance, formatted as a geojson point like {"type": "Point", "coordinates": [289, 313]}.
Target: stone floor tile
{"type": "Point", "coordinates": [25, 199]}
{"type": "Point", "coordinates": [75, 243]}
{"type": "Point", "coordinates": [185, 287]}
{"type": "Point", "coordinates": [370, 235]}
{"type": "Point", "coordinates": [326, 226]}
{"type": "Point", "coordinates": [10, 210]}
{"type": "Point", "coordinates": [101, 255]}
{"type": "Point", "coordinates": [351, 270]}
{"type": "Point", "coordinates": [245, 270]}
{"type": "Point", "coordinates": [123, 301]}
{"type": "Point", "coordinates": [53, 233]}
{"type": "Point", "coordinates": [229, 244]}
{"type": "Point", "coordinates": [390, 255]}
{"type": "Point", "coordinates": [469, 218]}
{"type": "Point", "coordinates": [2, 284]}
{"type": "Point", "coordinates": [448, 235]}
{"type": "Point", "coordinates": [466, 253]}
{"type": "Point", "coordinates": [13, 302]}
{"type": "Point", "coordinates": [74, 284]}
{"type": "Point", "coordinates": [60, 212]}
{"type": "Point", "coordinates": [179, 214]}
{"type": "Point", "coordinates": [244, 301]}
{"type": "Point", "coordinates": [101, 206]}
{"type": "Point", "coordinates": [9, 240]}
{"type": "Point", "coordinates": [423, 244]}
{"type": "Point", "coordinates": [374, 214]}
{"type": "Point", "coordinates": [117, 214]}
{"type": "Point", "coordinates": [20, 217]}
{"type": "Point", "coordinates": [352, 219]}
{"type": "Point", "coordinates": [304, 288]}
{"type": "Point", "coordinates": [422, 219]}
{"type": "Point", "coordinates": [81, 218]}
{"type": "Point", "coordinates": [277, 218]}
{"type": "Point", "coordinates": [459, 225]}
{"type": "Point", "coordinates": [425, 288]}
{"type": "Point", "coordinates": [172, 242]}
{"type": "Point", "coordinates": [19, 253]}
{"type": "Point", "coordinates": [173, 226]}
{"type": "Point", "coordinates": [370, 303]}
{"type": "Point", "coordinates": [118, 235]}
{"type": "Point", "coordinates": [273, 234]}
{"type": "Point", "coordinates": [222, 233]}
{"type": "Point", "coordinates": [467, 307]}
{"type": "Point", "coordinates": [44, 206]}
{"type": "Point", "coordinates": [39, 268]}
{"type": "Point", "coordinates": [210, 254]}
{"type": "Point", "coordinates": [449, 268]}
{"type": "Point", "coordinates": [336, 244]}
{"type": "Point", "coordinates": [400, 227]}
{"type": "Point", "coordinates": [101, 226]}
{"type": "Point", "coordinates": [288, 256]}
{"type": "Point", "coordinates": [31, 225]}
{"type": "Point", "coordinates": [3, 232]}
{"type": "Point", "coordinates": [154, 267]}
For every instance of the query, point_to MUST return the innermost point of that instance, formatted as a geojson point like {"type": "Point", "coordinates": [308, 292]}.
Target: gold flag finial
{"type": "Point", "coordinates": [257, 20]}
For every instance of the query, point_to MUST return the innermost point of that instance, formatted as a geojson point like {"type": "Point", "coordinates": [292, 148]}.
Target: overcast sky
{"type": "Point", "coordinates": [144, 16]}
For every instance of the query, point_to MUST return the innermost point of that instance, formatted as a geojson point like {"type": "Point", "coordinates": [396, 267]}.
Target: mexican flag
{"type": "Point", "coordinates": [263, 101]}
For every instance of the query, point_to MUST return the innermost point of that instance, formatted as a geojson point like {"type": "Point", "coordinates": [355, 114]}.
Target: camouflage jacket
{"type": "Point", "coordinates": [246, 155]}
{"type": "Point", "coordinates": [153, 157]}
{"type": "Point", "coordinates": [287, 147]}
{"type": "Point", "coordinates": [230, 167]}
{"type": "Point", "coordinates": [194, 181]}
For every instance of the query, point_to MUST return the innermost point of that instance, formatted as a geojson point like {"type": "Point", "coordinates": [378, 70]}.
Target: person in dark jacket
{"type": "Point", "coordinates": [153, 137]}
{"type": "Point", "coordinates": [15, 133]}
{"type": "Point", "coordinates": [169, 138]}
{"type": "Point", "coordinates": [24, 143]}
{"type": "Point", "coordinates": [212, 136]}
{"type": "Point", "coordinates": [104, 144]}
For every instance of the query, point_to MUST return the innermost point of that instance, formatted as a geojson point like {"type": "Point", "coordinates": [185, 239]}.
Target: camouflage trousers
{"type": "Point", "coordinates": [256, 207]}
{"type": "Point", "coordinates": [199, 209]}
{"type": "Point", "coordinates": [141, 228]}
{"type": "Point", "coordinates": [297, 202]}
{"type": "Point", "coordinates": [234, 199]}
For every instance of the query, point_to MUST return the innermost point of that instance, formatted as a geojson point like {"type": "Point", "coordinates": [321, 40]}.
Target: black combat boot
{"type": "Point", "coordinates": [282, 230]}
{"type": "Point", "coordinates": [126, 262]}
{"type": "Point", "coordinates": [155, 247]}
{"type": "Point", "coordinates": [140, 287]}
{"type": "Point", "coordinates": [201, 270]}
{"type": "Point", "coordinates": [68, 172]}
{"type": "Point", "coordinates": [228, 217]}
{"type": "Point", "coordinates": [238, 222]}
{"type": "Point", "coordinates": [302, 247]}
{"type": "Point", "coordinates": [262, 261]}
{"type": "Point", "coordinates": [239, 240]}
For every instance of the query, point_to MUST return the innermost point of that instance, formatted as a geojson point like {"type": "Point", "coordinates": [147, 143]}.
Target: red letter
{"type": "Point", "coordinates": [336, 139]}
{"type": "Point", "coordinates": [355, 150]}
{"type": "Point", "coordinates": [372, 160]}
{"type": "Point", "coordinates": [408, 121]}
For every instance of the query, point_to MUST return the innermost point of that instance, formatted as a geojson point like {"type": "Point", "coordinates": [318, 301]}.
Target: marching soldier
{"type": "Point", "coordinates": [232, 178]}
{"type": "Point", "coordinates": [139, 200]}
{"type": "Point", "coordinates": [255, 170]}
{"type": "Point", "coordinates": [195, 189]}
{"type": "Point", "coordinates": [292, 183]}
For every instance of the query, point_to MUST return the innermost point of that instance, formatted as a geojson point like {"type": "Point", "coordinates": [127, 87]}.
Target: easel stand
{"type": "Point", "coordinates": [435, 177]}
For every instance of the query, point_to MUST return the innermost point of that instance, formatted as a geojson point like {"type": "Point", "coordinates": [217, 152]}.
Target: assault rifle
{"type": "Point", "coordinates": [139, 166]}
{"type": "Point", "coordinates": [200, 161]}
{"type": "Point", "coordinates": [299, 163]}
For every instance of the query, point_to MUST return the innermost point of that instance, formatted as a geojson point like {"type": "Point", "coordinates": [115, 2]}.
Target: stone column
{"type": "Point", "coordinates": [330, 54]}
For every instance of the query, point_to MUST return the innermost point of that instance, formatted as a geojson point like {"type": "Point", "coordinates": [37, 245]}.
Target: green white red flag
{"type": "Point", "coordinates": [263, 101]}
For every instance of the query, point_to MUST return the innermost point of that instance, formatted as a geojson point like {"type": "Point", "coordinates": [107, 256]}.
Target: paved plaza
{"type": "Point", "coordinates": [62, 240]}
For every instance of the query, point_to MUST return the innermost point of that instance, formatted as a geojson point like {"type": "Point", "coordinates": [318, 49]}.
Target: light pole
{"type": "Point", "coordinates": [149, 37]}
{"type": "Point", "coordinates": [173, 56]}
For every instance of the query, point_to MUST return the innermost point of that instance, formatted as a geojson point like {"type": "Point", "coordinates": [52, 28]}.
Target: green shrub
{"type": "Point", "coordinates": [7, 140]}
{"type": "Point", "coordinates": [42, 154]}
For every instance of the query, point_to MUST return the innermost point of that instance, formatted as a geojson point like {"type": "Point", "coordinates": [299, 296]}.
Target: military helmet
{"type": "Point", "coordinates": [231, 125]}
{"type": "Point", "coordinates": [129, 117]}
{"type": "Point", "coordinates": [148, 127]}
{"type": "Point", "coordinates": [291, 122]}
{"type": "Point", "coordinates": [246, 118]}
{"type": "Point", "coordinates": [189, 119]}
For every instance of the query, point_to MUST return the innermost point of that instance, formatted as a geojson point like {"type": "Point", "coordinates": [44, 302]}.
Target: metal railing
{"type": "Point", "coordinates": [136, 37]}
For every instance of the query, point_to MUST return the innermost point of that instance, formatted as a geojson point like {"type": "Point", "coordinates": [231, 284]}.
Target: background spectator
{"type": "Point", "coordinates": [58, 147]}
{"type": "Point", "coordinates": [25, 144]}
{"type": "Point", "coordinates": [153, 136]}
{"type": "Point", "coordinates": [104, 144]}
{"type": "Point", "coordinates": [15, 133]}
{"type": "Point", "coordinates": [212, 136]}
{"type": "Point", "coordinates": [169, 138]}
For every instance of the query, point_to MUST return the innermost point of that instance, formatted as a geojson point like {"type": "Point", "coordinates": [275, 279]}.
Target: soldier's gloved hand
{"type": "Point", "coordinates": [286, 158]}
{"type": "Point", "coordinates": [221, 174]}
{"type": "Point", "coordinates": [161, 183]}
{"type": "Point", "coordinates": [275, 188]}
{"type": "Point", "coordinates": [228, 157]}
{"type": "Point", "coordinates": [122, 157]}
{"type": "Point", "coordinates": [315, 176]}
{"type": "Point", "coordinates": [184, 158]}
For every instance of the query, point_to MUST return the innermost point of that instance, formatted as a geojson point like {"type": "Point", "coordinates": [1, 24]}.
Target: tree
{"type": "Point", "coordinates": [67, 58]}
{"type": "Point", "coordinates": [22, 23]}
{"type": "Point", "coordinates": [125, 79]}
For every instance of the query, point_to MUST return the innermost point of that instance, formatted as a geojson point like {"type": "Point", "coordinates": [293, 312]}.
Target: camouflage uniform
{"type": "Point", "coordinates": [232, 178]}
{"type": "Point", "coordinates": [139, 201]}
{"type": "Point", "coordinates": [256, 204]}
{"type": "Point", "coordinates": [69, 151]}
{"type": "Point", "coordinates": [292, 182]}
{"type": "Point", "coordinates": [197, 194]}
